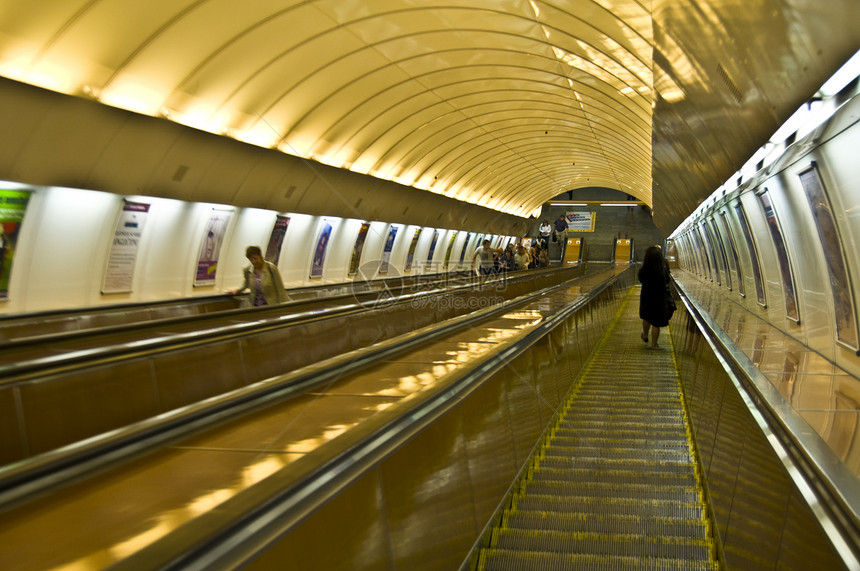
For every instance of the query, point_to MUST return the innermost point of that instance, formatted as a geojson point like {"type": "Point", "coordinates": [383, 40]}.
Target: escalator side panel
{"type": "Point", "coordinates": [761, 518]}
{"type": "Point", "coordinates": [195, 373]}
{"type": "Point", "coordinates": [73, 407]}
{"type": "Point", "coordinates": [518, 378]}
{"type": "Point", "coordinates": [349, 533]}
{"type": "Point", "coordinates": [324, 338]}
{"type": "Point", "coordinates": [429, 497]}
{"type": "Point", "coordinates": [545, 381]}
{"type": "Point", "coordinates": [12, 443]}
{"type": "Point", "coordinates": [270, 353]}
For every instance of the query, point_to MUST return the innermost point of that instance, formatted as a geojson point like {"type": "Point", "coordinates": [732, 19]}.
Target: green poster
{"type": "Point", "coordinates": [13, 203]}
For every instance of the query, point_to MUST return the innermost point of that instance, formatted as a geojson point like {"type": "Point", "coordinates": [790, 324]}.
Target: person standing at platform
{"type": "Point", "coordinates": [654, 276]}
{"type": "Point", "coordinates": [262, 279]}
{"type": "Point", "coordinates": [545, 230]}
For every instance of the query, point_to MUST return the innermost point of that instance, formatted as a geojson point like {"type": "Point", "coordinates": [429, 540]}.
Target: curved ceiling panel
{"type": "Point", "coordinates": [501, 103]}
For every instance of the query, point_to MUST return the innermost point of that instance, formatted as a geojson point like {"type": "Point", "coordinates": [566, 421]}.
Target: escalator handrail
{"type": "Point", "coordinates": [32, 475]}
{"type": "Point", "coordinates": [17, 343]}
{"type": "Point", "coordinates": [827, 485]}
{"type": "Point", "coordinates": [24, 369]}
{"type": "Point", "coordinates": [271, 507]}
{"type": "Point", "coordinates": [196, 300]}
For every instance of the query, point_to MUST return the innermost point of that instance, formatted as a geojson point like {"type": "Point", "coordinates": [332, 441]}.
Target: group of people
{"type": "Point", "coordinates": [263, 280]}
{"type": "Point", "coordinates": [492, 260]}
{"type": "Point", "coordinates": [557, 231]}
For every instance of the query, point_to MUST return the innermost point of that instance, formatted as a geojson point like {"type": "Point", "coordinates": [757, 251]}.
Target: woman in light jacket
{"type": "Point", "coordinates": [262, 280]}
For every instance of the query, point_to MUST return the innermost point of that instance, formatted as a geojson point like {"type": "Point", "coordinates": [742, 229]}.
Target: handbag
{"type": "Point", "coordinates": [670, 304]}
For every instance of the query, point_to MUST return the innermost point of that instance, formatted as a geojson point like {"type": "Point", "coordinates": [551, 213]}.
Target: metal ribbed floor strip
{"type": "Point", "coordinates": [615, 484]}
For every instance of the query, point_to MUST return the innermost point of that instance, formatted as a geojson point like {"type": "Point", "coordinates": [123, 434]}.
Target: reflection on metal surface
{"type": "Point", "coordinates": [165, 522]}
{"type": "Point", "coordinates": [763, 517]}
{"type": "Point", "coordinates": [309, 444]}
{"type": "Point", "coordinates": [827, 397]}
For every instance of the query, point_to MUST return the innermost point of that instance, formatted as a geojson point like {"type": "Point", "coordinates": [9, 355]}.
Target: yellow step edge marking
{"type": "Point", "coordinates": [707, 512]}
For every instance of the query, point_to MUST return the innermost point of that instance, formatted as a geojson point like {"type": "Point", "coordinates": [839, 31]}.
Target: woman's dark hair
{"type": "Point", "coordinates": [653, 259]}
{"type": "Point", "coordinates": [251, 250]}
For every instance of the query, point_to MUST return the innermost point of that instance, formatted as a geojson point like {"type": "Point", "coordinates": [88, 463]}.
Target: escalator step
{"type": "Point", "coordinates": [580, 441]}
{"type": "Point", "coordinates": [668, 454]}
{"type": "Point", "coordinates": [583, 522]}
{"type": "Point", "coordinates": [598, 464]}
{"type": "Point", "coordinates": [571, 428]}
{"type": "Point", "coordinates": [609, 506]}
{"type": "Point", "coordinates": [663, 491]}
{"type": "Point", "coordinates": [507, 560]}
{"type": "Point", "coordinates": [638, 546]}
{"type": "Point", "coordinates": [582, 475]}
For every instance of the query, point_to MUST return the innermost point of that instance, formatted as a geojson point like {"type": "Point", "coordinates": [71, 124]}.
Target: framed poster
{"type": "Point", "coordinates": [320, 250]}
{"type": "Point", "coordinates": [785, 271]}
{"type": "Point", "coordinates": [432, 249]}
{"type": "Point", "coordinates": [450, 248]}
{"type": "Point", "coordinates": [13, 205]}
{"type": "Point", "coordinates": [210, 246]}
{"type": "Point", "coordinates": [356, 250]}
{"type": "Point", "coordinates": [753, 251]}
{"type": "Point", "coordinates": [733, 250]}
{"type": "Point", "coordinates": [412, 245]}
{"type": "Point", "coordinates": [276, 239]}
{"type": "Point", "coordinates": [580, 221]}
{"type": "Point", "coordinates": [720, 249]}
{"type": "Point", "coordinates": [702, 255]}
{"type": "Point", "coordinates": [844, 304]}
{"type": "Point", "coordinates": [710, 254]}
{"type": "Point", "coordinates": [463, 251]}
{"type": "Point", "coordinates": [119, 272]}
{"type": "Point", "coordinates": [386, 251]}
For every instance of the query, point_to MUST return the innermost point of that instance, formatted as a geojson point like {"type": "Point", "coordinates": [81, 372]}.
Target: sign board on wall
{"type": "Point", "coordinates": [13, 204]}
{"type": "Point", "coordinates": [119, 272]}
{"type": "Point", "coordinates": [210, 246]}
{"type": "Point", "coordinates": [276, 239]}
{"type": "Point", "coordinates": [580, 221]}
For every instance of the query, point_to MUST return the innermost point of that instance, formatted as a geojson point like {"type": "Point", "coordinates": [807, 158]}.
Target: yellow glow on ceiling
{"type": "Point", "coordinates": [327, 108]}
{"type": "Point", "coordinates": [136, 96]}
{"type": "Point", "coordinates": [260, 134]}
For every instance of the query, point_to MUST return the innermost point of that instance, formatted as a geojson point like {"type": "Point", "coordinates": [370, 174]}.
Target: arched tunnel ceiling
{"type": "Point", "coordinates": [502, 103]}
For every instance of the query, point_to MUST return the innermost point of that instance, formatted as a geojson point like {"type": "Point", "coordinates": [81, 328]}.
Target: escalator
{"type": "Point", "coordinates": [614, 484]}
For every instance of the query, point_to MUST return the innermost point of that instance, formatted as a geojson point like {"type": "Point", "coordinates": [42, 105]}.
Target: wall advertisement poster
{"type": "Point", "coordinates": [432, 250]}
{"type": "Point", "coordinates": [788, 287]}
{"type": "Point", "coordinates": [320, 250]}
{"type": "Point", "coordinates": [210, 246]}
{"type": "Point", "coordinates": [119, 273]}
{"type": "Point", "coordinates": [386, 251]}
{"type": "Point", "coordinates": [276, 239]}
{"type": "Point", "coordinates": [357, 248]}
{"type": "Point", "coordinates": [411, 255]}
{"type": "Point", "coordinates": [834, 256]}
{"type": "Point", "coordinates": [580, 221]}
{"type": "Point", "coordinates": [13, 204]}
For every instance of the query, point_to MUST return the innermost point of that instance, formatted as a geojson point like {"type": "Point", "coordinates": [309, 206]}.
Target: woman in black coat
{"type": "Point", "coordinates": [654, 275]}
